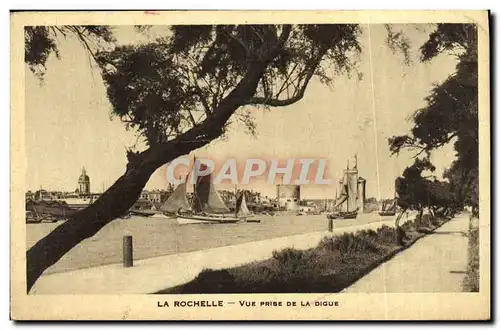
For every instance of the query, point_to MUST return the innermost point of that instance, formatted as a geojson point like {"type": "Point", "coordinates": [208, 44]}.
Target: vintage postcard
{"type": "Point", "coordinates": [231, 165]}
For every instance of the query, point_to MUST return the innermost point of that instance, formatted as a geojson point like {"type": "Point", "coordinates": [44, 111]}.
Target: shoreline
{"type": "Point", "coordinates": [159, 237]}
{"type": "Point", "coordinates": [154, 274]}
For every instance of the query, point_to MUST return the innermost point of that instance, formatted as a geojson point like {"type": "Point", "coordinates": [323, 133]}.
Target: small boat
{"type": "Point", "coordinates": [242, 212]}
{"type": "Point", "coordinates": [31, 217]}
{"type": "Point", "coordinates": [142, 213]}
{"type": "Point", "coordinates": [388, 211]}
{"type": "Point", "coordinates": [343, 215]}
{"type": "Point", "coordinates": [47, 211]}
{"type": "Point", "coordinates": [162, 215]}
{"type": "Point", "coordinates": [208, 218]}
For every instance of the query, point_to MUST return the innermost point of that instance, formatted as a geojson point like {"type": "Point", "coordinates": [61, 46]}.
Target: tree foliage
{"type": "Point", "coordinates": [171, 85]}
{"type": "Point", "coordinates": [41, 42]}
{"type": "Point", "coordinates": [180, 92]}
{"type": "Point", "coordinates": [416, 191]}
{"type": "Point", "coordinates": [451, 111]}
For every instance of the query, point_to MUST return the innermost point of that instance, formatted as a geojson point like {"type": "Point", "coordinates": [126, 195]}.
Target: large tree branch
{"type": "Point", "coordinates": [275, 102]}
{"type": "Point", "coordinates": [118, 199]}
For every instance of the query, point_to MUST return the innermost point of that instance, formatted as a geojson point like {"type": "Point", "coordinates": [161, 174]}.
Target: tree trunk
{"type": "Point", "coordinates": [398, 218]}
{"type": "Point", "coordinates": [475, 211]}
{"type": "Point", "coordinates": [397, 230]}
{"type": "Point", "coordinates": [418, 219]}
{"type": "Point", "coordinates": [432, 212]}
{"type": "Point", "coordinates": [115, 202]}
{"type": "Point", "coordinates": [122, 195]}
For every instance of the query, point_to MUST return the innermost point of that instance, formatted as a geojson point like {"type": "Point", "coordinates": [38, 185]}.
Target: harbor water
{"type": "Point", "coordinates": [156, 237]}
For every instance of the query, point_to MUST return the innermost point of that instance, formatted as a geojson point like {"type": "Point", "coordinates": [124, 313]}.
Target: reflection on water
{"type": "Point", "coordinates": [156, 237]}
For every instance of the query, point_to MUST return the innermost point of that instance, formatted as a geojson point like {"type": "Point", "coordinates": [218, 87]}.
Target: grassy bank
{"type": "Point", "coordinates": [471, 281]}
{"type": "Point", "coordinates": [333, 265]}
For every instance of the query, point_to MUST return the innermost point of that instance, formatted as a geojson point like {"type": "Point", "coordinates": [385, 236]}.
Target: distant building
{"type": "Point", "coordinates": [43, 195]}
{"type": "Point", "coordinates": [144, 195]}
{"type": "Point", "coordinates": [323, 204]}
{"type": "Point", "coordinates": [30, 195]}
{"type": "Point", "coordinates": [84, 183]}
{"type": "Point", "coordinates": [288, 196]}
{"type": "Point", "coordinates": [227, 196]}
{"type": "Point", "coordinates": [155, 196]}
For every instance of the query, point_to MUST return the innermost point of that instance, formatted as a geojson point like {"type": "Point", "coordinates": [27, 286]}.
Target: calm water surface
{"type": "Point", "coordinates": [156, 237]}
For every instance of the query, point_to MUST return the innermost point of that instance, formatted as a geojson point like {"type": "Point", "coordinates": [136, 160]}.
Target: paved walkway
{"type": "Point", "coordinates": [154, 274]}
{"type": "Point", "coordinates": [436, 263]}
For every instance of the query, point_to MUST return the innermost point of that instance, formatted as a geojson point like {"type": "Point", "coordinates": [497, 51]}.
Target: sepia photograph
{"type": "Point", "coordinates": [250, 165]}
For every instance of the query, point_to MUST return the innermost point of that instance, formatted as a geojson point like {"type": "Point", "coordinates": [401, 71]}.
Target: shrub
{"type": "Point", "coordinates": [290, 258]}
{"type": "Point", "coordinates": [211, 281]}
{"type": "Point", "coordinates": [435, 221]}
{"type": "Point", "coordinates": [386, 234]}
{"type": "Point", "coordinates": [471, 281]}
{"type": "Point", "coordinates": [349, 242]}
{"type": "Point", "coordinates": [409, 226]}
{"type": "Point", "coordinates": [426, 220]}
{"type": "Point", "coordinates": [333, 265]}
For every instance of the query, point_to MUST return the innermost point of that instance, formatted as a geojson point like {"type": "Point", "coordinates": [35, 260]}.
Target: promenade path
{"type": "Point", "coordinates": [154, 274]}
{"type": "Point", "coordinates": [435, 263]}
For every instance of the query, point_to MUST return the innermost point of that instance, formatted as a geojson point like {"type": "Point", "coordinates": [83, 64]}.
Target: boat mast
{"type": "Point", "coordinates": [235, 199]}
{"type": "Point", "coordinates": [278, 197]}
{"type": "Point", "coordinates": [347, 190]}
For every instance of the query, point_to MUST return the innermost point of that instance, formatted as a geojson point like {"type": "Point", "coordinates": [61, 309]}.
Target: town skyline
{"type": "Point", "coordinates": [352, 117]}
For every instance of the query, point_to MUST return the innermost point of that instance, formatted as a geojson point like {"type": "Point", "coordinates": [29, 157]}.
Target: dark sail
{"type": "Point", "coordinates": [206, 198]}
{"type": "Point", "coordinates": [177, 201]}
{"type": "Point", "coordinates": [342, 201]}
{"type": "Point", "coordinates": [349, 195]}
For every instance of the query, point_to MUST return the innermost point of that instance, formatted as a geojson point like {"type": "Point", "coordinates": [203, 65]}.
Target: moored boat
{"type": "Point", "coordinates": [162, 215]}
{"type": "Point", "coordinates": [47, 211]}
{"type": "Point", "coordinates": [343, 215]}
{"type": "Point", "coordinates": [206, 206]}
{"type": "Point", "coordinates": [388, 208]}
{"type": "Point", "coordinates": [142, 213]}
{"type": "Point", "coordinates": [209, 218]}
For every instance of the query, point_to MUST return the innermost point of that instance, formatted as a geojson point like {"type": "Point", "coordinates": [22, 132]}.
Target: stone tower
{"type": "Point", "coordinates": [84, 183]}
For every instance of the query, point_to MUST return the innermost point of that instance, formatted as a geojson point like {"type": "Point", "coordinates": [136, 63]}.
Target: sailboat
{"type": "Point", "coordinates": [206, 207]}
{"type": "Point", "coordinates": [242, 211]}
{"type": "Point", "coordinates": [346, 205]}
{"type": "Point", "coordinates": [388, 208]}
{"type": "Point", "coordinates": [175, 203]}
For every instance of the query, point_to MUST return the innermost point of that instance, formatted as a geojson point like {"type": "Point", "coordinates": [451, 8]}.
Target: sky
{"type": "Point", "coordinates": [69, 123]}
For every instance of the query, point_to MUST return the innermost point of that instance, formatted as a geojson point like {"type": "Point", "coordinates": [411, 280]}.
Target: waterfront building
{"type": "Point", "coordinates": [288, 196]}
{"type": "Point", "coordinates": [156, 196]}
{"type": "Point", "coordinates": [30, 195]}
{"type": "Point", "coordinates": [43, 195]}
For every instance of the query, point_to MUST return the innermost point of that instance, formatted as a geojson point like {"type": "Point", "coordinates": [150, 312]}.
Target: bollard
{"type": "Point", "coordinates": [330, 225]}
{"type": "Point", "coordinates": [128, 256]}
